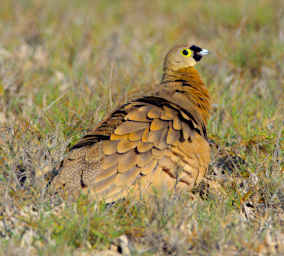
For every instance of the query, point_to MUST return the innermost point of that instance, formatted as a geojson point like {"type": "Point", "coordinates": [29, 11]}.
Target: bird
{"type": "Point", "coordinates": [153, 142]}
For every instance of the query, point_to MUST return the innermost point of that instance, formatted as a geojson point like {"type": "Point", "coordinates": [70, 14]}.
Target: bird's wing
{"type": "Point", "coordinates": [126, 145]}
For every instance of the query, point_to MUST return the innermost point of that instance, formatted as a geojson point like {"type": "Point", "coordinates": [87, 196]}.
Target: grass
{"type": "Point", "coordinates": [65, 64]}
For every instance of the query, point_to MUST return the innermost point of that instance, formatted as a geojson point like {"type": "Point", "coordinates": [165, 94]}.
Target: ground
{"type": "Point", "coordinates": [65, 64]}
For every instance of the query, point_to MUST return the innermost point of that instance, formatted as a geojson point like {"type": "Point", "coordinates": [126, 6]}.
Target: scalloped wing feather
{"type": "Point", "coordinates": [147, 137]}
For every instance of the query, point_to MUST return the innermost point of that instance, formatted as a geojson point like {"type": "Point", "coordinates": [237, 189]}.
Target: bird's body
{"type": "Point", "coordinates": [154, 141]}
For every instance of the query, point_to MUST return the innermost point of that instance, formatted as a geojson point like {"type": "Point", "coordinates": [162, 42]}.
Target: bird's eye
{"type": "Point", "coordinates": [186, 52]}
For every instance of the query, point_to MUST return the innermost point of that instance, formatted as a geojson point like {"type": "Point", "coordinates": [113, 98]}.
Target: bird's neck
{"type": "Point", "coordinates": [192, 87]}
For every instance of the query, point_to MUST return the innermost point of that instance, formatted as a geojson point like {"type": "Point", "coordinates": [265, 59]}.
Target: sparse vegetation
{"type": "Point", "coordinates": [64, 64]}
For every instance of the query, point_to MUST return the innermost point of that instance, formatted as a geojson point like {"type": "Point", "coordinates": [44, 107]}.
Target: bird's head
{"type": "Point", "coordinates": [183, 56]}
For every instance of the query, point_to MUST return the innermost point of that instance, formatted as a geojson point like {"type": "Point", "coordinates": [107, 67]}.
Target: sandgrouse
{"type": "Point", "coordinates": [158, 140]}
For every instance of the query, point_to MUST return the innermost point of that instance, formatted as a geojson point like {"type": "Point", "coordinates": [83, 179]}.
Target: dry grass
{"type": "Point", "coordinates": [64, 64]}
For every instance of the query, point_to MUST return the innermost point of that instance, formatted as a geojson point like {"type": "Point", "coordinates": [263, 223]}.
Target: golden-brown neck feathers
{"type": "Point", "coordinates": [192, 88]}
{"type": "Point", "coordinates": [179, 72]}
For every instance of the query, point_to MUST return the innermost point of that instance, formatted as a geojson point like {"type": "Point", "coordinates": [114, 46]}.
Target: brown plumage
{"type": "Point", "coordinates": [158, 140]}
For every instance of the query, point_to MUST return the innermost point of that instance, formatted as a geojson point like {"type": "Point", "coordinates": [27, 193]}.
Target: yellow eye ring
{"type": "Point", "coordinates": [186, 52]}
